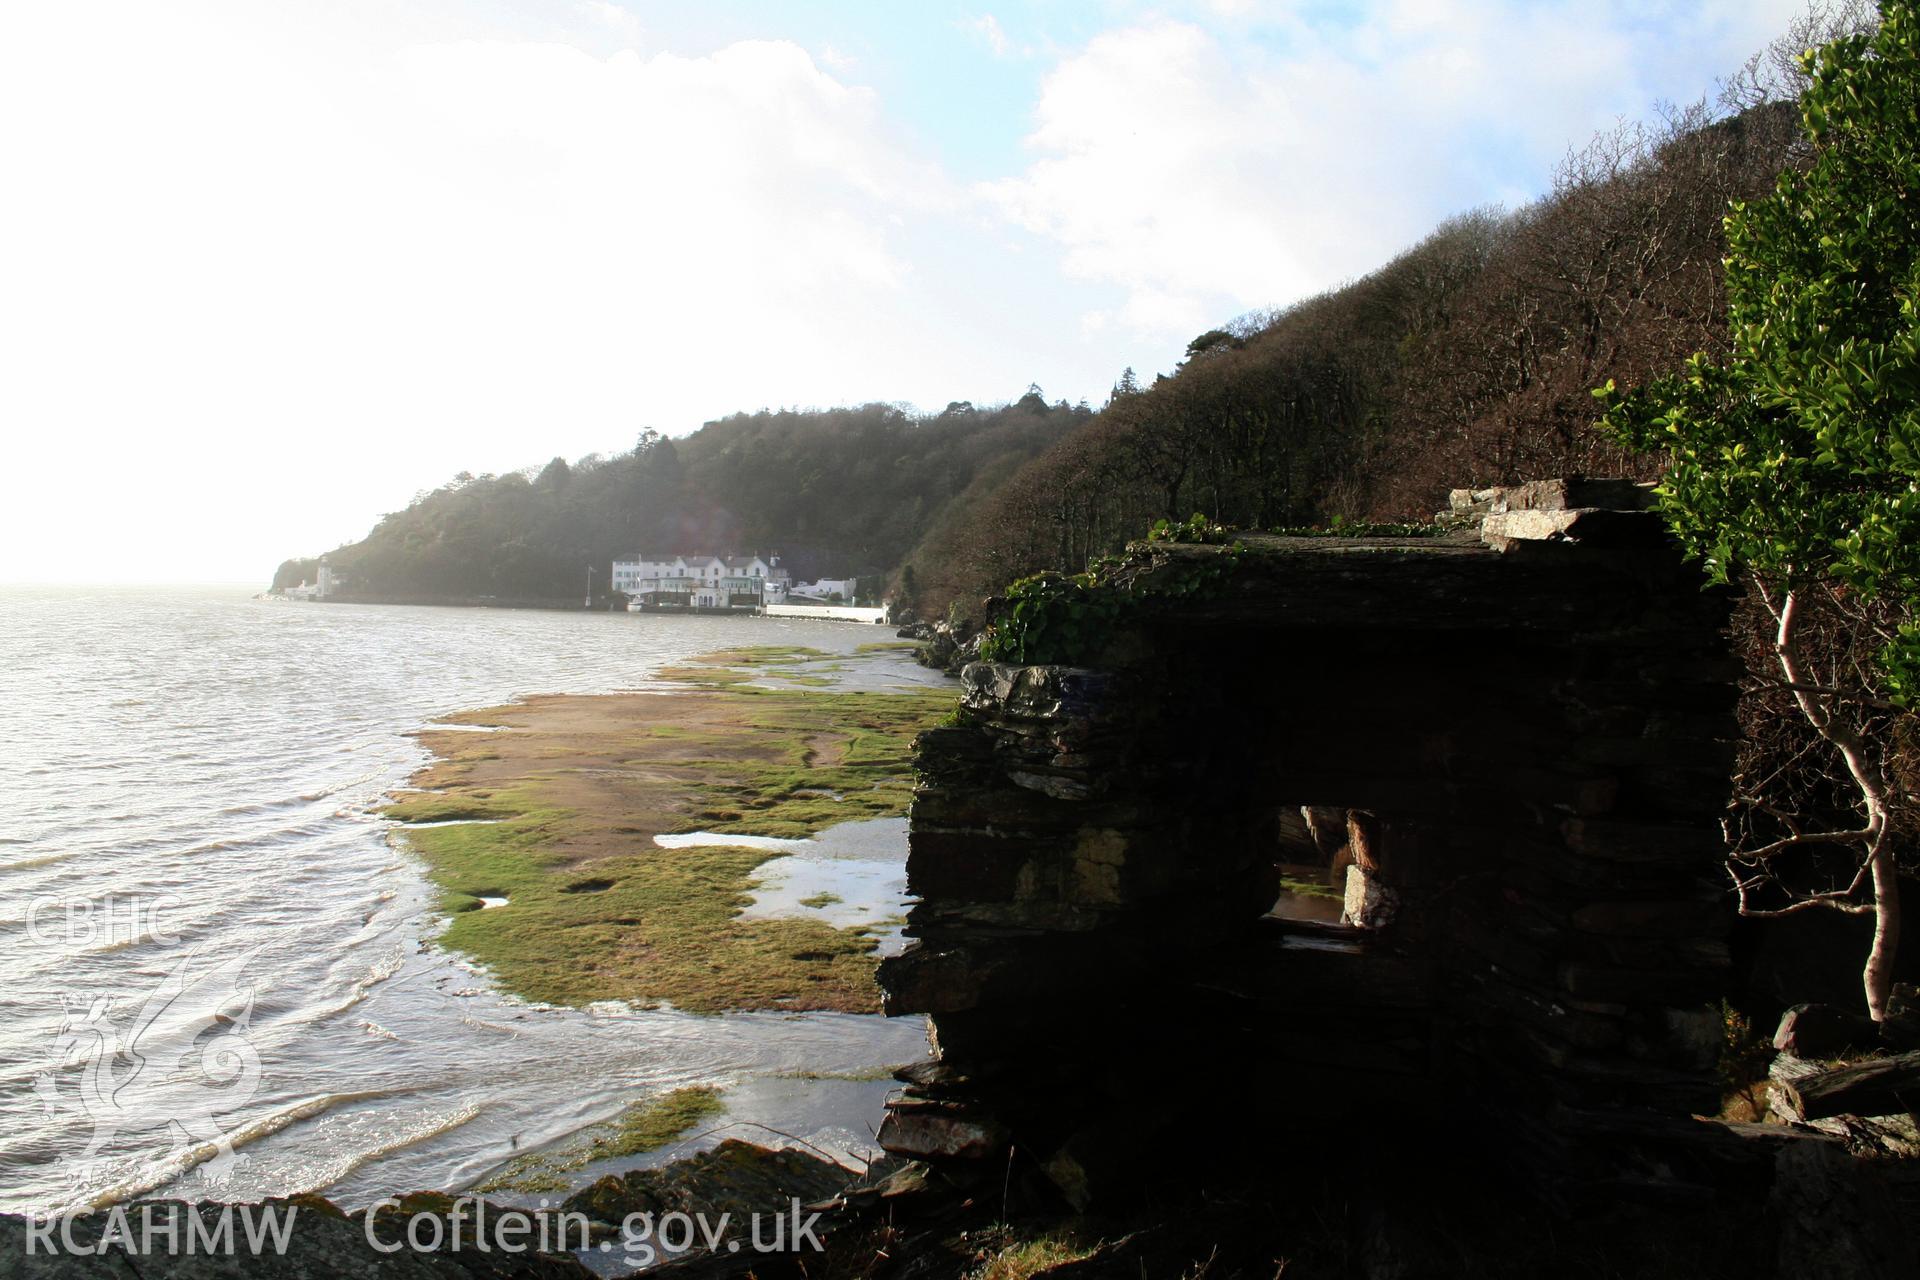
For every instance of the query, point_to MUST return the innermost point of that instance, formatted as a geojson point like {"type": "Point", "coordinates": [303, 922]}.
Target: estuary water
{"type": "Point", "coordinates": [211, 943]}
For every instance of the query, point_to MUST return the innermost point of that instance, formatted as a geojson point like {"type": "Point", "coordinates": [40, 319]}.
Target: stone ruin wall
{"type": "Point", "coordinates": [1534, 717]}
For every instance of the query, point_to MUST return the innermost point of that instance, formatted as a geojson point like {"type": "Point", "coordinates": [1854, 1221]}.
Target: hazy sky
{"type": "Point", "coordinates": [269, 267]}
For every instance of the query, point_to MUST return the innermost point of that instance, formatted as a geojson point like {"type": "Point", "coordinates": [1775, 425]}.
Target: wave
{"type": "Point", "coordinates": [181, 1161]}
{"type": "Point", "coordinates": [121, 943]}
{"type": "Point", "coordinates": [353, 1164]}
{"type": "Point", "coordinates": [42, 860]}
{"type": "Point", "coordinates": [377, 973]}
{"type": "Point", "coordinates": [274, 806]}
{"type": "Point", "coordinates": [478, 1024]}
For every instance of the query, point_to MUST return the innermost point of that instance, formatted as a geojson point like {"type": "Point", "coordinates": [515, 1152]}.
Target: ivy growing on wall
{"type": "Point", "coordinates": [1196, 528]}
{"type": "Point", "coordinates": [1341, 527]}
{"type": "Point", "coordinates": [1070, 619]}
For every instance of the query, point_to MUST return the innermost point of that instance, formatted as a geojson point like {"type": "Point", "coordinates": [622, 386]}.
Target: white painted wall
{"type": "Point", "coordinates": [835, 613]}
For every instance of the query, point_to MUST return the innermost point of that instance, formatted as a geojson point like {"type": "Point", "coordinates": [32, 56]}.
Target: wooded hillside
{"type": "Point", "coordinates": [845, 491]}
{"type": "Point", "coordinates": [1468, 360]}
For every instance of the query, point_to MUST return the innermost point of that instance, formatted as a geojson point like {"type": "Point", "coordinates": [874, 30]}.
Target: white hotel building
{"type": "Point", "coordinates": [701, 581]}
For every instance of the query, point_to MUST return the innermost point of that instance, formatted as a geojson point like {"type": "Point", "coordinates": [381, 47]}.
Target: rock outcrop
{"type": "Point", "coordinates": [736, 1179]}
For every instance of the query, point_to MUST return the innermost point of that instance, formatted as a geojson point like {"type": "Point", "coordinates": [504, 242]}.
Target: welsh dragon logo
{"type": "Point", "coordinates": [181, 1059]}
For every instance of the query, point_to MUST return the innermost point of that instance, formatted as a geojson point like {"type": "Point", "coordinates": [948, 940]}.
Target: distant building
{"type": "Point", "coordinates": [329, 582]}
{"type": "Point", "coordinates": [824, 590]}
{"type": "Point", "coordinates": [701, 581]}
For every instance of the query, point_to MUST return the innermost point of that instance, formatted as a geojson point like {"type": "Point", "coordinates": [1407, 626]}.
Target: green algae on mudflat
{"type": "Point", "coordinates": [1311, 888]}
{"type": "Point", "coordinates": [642, 1127]}
{"type": "Point", "coordinates": [557, 816]}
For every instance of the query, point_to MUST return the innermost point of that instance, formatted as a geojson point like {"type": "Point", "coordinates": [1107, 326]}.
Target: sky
{"type": "Point", "coordinates": [268, 268]}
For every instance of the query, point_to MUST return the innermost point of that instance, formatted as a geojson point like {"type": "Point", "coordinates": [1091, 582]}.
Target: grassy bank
{"type": "Point", "coordinates": [557, 810]}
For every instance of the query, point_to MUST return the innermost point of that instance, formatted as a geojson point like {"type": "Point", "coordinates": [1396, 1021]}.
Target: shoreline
{"type": "Point", "coordinates": [555, 804]}
{"type": "Point", "coordinates": [571, 604]}
{"type": "Point", "coordinates": [280, 838]}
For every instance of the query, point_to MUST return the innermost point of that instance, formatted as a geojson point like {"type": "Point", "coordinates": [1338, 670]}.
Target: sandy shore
{"type": "Point", "coordinates": [555, 809]}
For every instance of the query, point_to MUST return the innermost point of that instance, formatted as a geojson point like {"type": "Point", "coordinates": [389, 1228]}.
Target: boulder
{"type": "Point", "coordinates": [737, 1178]}
{"type": "Point", "coordinates": [937, 646]}
{"type": "Point", "coordinates": [1588, 525]}
{"type": "Point", "coordinates": [936, 1076]}
{"type": "Point", "coordinates": [920, 1130]}
{"type": "Point", "coordinates": [1823, 1031]}
{"type": "Point", "coordinates": [1370, 901]}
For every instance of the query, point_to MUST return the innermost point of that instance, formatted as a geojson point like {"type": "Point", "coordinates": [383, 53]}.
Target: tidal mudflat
{"type": "Point", "coordinates": [558, 811]}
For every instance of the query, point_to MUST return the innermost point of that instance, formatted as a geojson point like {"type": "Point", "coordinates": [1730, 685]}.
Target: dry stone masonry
{"type": "Point", "coordinates": [1529, 722]}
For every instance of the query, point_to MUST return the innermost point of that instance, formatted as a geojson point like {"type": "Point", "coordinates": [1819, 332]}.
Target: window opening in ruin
{"type": "Point", "coordinates": [1329, 869]}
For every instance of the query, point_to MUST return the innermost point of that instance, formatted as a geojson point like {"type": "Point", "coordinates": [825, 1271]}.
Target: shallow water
{"type": "Point", "coordinates": [851, 876]}
{"type": "Point", "coordinates": [187, 835]}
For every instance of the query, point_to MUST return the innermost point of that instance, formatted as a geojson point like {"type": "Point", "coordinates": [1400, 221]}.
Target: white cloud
{"type": "Point", "coordinates": [268, 275]}
{"type": "Point", "coordinates": [267, 269]}
{"type": "Point", "coordinates": [988, 28]}
{"type": "Point", "coordinates": [1206, 177]}
{"type": "Point", "coordinates": [614, 18]}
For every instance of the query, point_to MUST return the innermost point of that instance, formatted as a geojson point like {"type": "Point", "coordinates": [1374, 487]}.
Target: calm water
{"type": "Point", "coordinates": [206, 932]}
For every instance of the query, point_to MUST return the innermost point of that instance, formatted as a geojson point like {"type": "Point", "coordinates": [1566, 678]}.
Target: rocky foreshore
{"type": "Point", "coordinates": [737, 1198]}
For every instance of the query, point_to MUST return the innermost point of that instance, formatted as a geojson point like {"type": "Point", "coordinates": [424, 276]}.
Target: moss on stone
{"type": "Point", "coordinates": [1005, 1256]}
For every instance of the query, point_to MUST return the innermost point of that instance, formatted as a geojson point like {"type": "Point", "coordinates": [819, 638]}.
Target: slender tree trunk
{"type": "Point", "coordinates": [1869, 777]}
{"type": "Point", "coordinates": [1878, 975]}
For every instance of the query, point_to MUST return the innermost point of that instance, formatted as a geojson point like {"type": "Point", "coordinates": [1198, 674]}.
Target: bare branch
{"type": "Point", "coordinates": [1802, 839]}
{"type": "Point", "coordinates": [1830, 691]}
{"type": "Point", "coordinates": [1835, 900]}
{"type": "Point", "coordinates": [1808, 904]}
